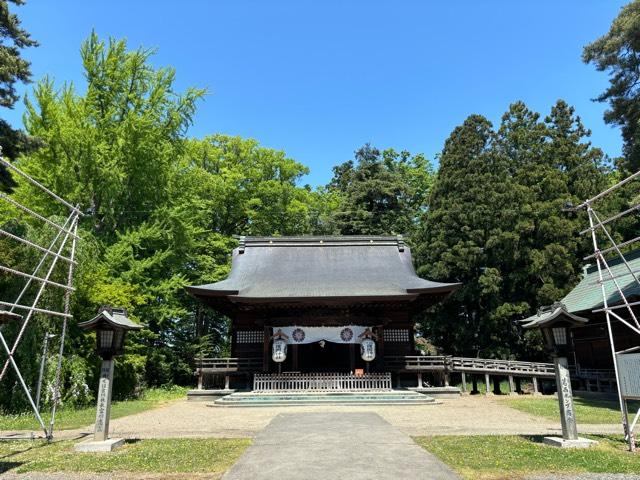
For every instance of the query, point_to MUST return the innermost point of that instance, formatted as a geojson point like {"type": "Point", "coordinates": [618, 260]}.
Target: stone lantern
{"type": "Point", "coordinates": [111, 326]}
{"type": "Point", "coordinates": [555, 322]}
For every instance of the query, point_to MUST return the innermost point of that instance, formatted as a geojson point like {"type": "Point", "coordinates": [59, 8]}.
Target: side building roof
{"type": "Point", "coordinates": [587, 295]}
{"type": "Point", "coordinates": [272, 269]}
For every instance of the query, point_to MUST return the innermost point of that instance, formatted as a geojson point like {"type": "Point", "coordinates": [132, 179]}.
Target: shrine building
{"type": "Point", "coordinates": [313, 305]}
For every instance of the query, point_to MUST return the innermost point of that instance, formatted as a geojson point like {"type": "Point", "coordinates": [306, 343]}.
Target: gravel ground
{"type": "Point", "coordinates": [461, 416]}
{"type": "Point", "coordinates": [467, 415]}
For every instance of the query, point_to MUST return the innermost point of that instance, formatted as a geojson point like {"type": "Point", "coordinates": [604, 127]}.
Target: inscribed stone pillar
{"type": "Point", "coordinates": [104, 401]}
{"type": "Point", "coordinates": [565, 398]}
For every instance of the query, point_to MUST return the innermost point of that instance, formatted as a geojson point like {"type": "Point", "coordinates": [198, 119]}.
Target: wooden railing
{"type": "Point", "coordinates": [418, 362]}
{"type": "Point", "coordinates": [320, 382]}
{"type": "Point", "coordinates": [228, 365]}
{"type": "Point", "coordinates": [447, 363]}
{"type": "Point", "coordinates": [508, 367]}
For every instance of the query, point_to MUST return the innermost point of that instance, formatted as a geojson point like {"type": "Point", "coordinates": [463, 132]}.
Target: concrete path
{"type": "Point", "coordinates": [318, 446]}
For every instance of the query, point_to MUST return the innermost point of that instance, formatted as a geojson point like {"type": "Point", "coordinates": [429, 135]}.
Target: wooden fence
{"type": "Point", "coordinates": [320, 382]}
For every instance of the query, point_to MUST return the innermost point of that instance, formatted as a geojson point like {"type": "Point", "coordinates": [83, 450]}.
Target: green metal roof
{"type": "Point", "coordinates": [587, 295]}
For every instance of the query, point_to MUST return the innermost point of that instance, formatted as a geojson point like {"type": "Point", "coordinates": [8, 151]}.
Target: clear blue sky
{"type": "Point", "coordinates": [319, 79]}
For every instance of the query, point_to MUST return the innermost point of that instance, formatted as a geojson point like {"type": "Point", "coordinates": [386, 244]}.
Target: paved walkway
{"type": "Point", "coordinates": [318, 446]}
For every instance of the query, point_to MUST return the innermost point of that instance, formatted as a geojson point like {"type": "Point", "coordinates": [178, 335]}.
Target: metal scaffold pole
{"type": "Point", "coordinates": [605, 244]}
{"type": "Point", "coordinates": [39, 280]}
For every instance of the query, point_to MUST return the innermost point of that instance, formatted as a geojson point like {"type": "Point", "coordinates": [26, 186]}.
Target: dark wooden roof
{"type": "Point", "coordinates": [302, 269]}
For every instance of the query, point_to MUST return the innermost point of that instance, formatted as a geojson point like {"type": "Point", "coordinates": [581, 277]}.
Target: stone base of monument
{"type": "Point", "coordinates": [562, 443]}
{"type": "Point", "coordinates": [92, 446]}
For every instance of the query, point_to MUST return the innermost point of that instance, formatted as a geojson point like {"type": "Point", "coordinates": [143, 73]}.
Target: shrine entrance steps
{"type": "Point", "coordinates": [262, 399]}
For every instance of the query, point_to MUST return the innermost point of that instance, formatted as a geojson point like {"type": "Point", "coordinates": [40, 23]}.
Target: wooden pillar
{"type": "Point", "coordinates": [226, 382]}
{"type": "Point", "coordinates": [446, 379]}
{"type": "Point", "coordinates": [512, 388]}
{"type": "Point", "coordinates": [487, 385]}
{"type": "Point", "coordinates": [419, 379]}
{"type": "Point", "coordinates": [265, 350]}
{"type": "Point", "coordinates": [200, 379]}
{"type": "Point", "coordinates": [464, 382]}
{"type": "Point", "coordinates": [535, 386]}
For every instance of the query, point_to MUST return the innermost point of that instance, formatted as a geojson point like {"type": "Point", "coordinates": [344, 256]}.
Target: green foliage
{"type": "Point", "coordinates": [495, 223]}
{"type": "Point", "coordinates": [618, 53]}
{"type": "Point", "coordinates": [515, 457]}
{"type": "Point", "coordinates": [381, 192]}
{"type": "Point", "coordinates": [110, 150]}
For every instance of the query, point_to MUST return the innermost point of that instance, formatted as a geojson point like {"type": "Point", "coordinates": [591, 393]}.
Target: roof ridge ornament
{"type": "Point", "coordinates": [400, 243]}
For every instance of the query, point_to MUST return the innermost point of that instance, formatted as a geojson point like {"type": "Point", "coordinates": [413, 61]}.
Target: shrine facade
{"type": "Point", "coordinates": [332, 304]}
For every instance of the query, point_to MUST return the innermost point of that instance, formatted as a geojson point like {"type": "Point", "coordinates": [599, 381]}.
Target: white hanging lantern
{"type": "Point", "coordinates": [279, 350]}
{"type": "Point", "coordinates": [368, 350]}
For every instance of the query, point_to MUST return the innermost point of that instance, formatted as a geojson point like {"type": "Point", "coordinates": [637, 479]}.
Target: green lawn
{"type": "Point", "coordinates": [511, 457]}
{"type": "Point", "coordinates": [211, 456]}
{"type": "Point", "coordinates": [588, 410]}
{"type": "Point", "coordinates": [70, 418]}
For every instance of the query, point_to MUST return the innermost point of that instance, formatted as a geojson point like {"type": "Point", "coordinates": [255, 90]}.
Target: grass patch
{"type": "Point", "coordinates": [588, 410]}
{"type": "Point", "coordinates": [212, 456]}
{"type": "Point", "coordinates": [511, 457]}
{"type": "Point", "coordinates": [76, 418]}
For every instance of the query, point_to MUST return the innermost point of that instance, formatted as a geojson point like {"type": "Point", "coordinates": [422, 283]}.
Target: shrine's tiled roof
{"type": "Point", "coordinates": [321, 267]}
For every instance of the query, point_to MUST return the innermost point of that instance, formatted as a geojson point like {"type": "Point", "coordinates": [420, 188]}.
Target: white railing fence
{"type": "Point", "coordinates": [320, 382]}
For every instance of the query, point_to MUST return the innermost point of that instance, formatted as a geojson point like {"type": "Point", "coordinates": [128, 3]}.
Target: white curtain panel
{"type": "Point", "coordinates": [342, 334]}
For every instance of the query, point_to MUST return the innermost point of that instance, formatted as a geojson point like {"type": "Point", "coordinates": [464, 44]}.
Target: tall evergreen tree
{"type": "Point", "coordinates": [13, 69]}
{"type": "Point", "coordinates": [380, 192]}
{"type": "Point", "coordinates": [470, 224]}
{"type": "Point", "coordinates": [496, 223]}
{"type": "Point", "coordinates": [618, 53]}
